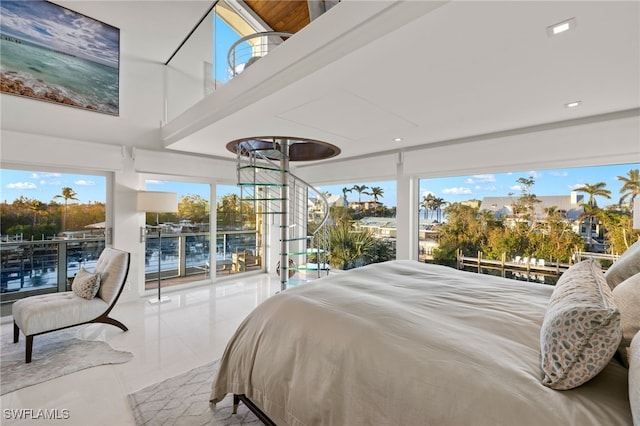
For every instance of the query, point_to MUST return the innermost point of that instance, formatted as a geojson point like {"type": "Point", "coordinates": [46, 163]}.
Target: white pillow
{"type": "Point", "coordinates": [627, 299]}
{"type": "Point", "coordinates": [627, 265]}
{"type": "Point", "coordinates": [581, 329]}
{"type": "Point", "coordinates": [634, 379]}
{"type": "Point", "coordinates": [85, 284]}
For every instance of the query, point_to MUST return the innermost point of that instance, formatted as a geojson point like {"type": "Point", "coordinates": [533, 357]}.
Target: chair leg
{"type": "Point", "coordinates": [29, 349]}
{"type": "Point", "coordinates": [108, 320]}
{"type": "Point", "coordinates": [16, 332]}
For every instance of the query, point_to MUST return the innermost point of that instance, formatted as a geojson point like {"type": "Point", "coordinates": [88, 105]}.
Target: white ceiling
{"type": "Point", "coordinates": [462, 69]}
{"type": "Point", "coordinates": [367, 72]}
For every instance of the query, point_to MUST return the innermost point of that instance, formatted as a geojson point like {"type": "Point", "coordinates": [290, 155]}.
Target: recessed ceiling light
{"type": "Point", "coordinates": [397, 139]}
{"type": "Point", "coordinates": [573, 104]}
{"type": "Point", "coordinates": [561, 27]}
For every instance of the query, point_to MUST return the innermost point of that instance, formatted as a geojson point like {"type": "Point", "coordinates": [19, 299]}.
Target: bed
{"type": "Point", "coordinates": [408, 343]}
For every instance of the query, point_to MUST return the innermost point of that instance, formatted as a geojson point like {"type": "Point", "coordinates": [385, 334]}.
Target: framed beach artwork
{"type": "Point", "coordinates": [53, 54]}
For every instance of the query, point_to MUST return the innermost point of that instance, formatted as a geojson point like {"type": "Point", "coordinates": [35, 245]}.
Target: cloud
{"type": "Point", "coordinates": [481, 179]}
{"type": "Point", "coordinates": [22, 185]}
{"type": "Point", "coordinates": [486, 188]}
{"type": "Point", "coordinates": [515, 188]}
{"type": "Point", "coordinates": [40, 175]}
{"type": "Point", "coordinates": [427, 192]}
{"type": "Point", "coordinates": [575, 186]}
{"type": "Point", "coordinates": [83, 182]}
{"type": "Point", "coordinates": [535, 174]}
{"type": "Point", "coordinates": [155, 182]}
{"type": "Point", "coordinates": [457, 191]}
{"type": "Point", "coordinates": [559, 174]}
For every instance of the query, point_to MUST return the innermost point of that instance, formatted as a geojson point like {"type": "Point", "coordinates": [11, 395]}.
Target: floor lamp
{"type": "Point", "coordinates": [157, 202]}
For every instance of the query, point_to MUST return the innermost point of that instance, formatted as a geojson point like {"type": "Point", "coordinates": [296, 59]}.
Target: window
{"type": "Point", "coordinates": [51, 225]}
{"type": "Point", "coordinates": [178, 244]}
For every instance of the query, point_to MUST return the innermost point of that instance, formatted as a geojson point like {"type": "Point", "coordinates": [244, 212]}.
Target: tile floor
{"type": "Point", "coordinates": [166, 340]}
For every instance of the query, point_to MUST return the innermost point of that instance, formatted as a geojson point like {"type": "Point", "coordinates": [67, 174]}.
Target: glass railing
{"type": "Point", "coordinates": [186, 257]}
{"type": "Point", "coordinates": [229, 38]}
{"type": "Point", "coordinates": [38, 267]}
{"type": "Point", "coordinates": [199, 66]}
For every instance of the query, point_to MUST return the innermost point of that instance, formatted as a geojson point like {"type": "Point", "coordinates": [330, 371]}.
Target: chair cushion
{"type": "Point", "coordinates": [113, 266]}
{"type": "Point", "coordinates": [37, 314]}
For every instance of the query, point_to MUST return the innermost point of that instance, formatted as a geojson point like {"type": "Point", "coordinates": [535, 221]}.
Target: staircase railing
{"type": "Point", "coordinates": [275, 191]}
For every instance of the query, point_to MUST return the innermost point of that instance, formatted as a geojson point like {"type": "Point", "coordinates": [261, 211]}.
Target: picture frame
{"type": "Point", "coordinates": [53, 54]}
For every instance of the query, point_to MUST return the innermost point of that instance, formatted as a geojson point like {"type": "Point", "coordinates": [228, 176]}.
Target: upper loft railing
{"type": "Point", "coordinates": [200, 65]}
{"type": "Point", "coordinates": [248, 49]}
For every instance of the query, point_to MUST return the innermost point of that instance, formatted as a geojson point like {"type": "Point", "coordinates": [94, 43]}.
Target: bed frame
{"type": "Point", "coordinates": [253, 407]}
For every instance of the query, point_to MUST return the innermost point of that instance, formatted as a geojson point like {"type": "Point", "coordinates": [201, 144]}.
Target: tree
{"type": "Point", "coordinates": [591, 209]}
{"type": "Point", "coordinates": [426, 203]}
{"type": "Point", "coordinates": [595, 190]}
{"type": "Point", "coordinates": [344, 193]}
{"type": "Point", "coordinates": [436, 205]}
{"type": "Point", "coordinates": [350, 248]}
{"type": "Point", "coordinates": [376, 192]}
{"type": "Point", "coordinates": [67, 194]}
{"type": "Point", "coordinates": [461, 231]}
{"type": "Point", "coordinates": [360, 189]}
{"type": "Point", "coordinates": [630, 187]}
{"type": "Point", "coordinates": [195, 208]}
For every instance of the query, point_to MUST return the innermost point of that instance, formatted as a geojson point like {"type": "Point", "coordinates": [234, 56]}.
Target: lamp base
{"type": "Point", "coordinates": [158, 300]}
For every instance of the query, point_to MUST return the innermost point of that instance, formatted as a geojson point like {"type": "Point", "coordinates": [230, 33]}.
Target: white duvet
{"type": "Point", "coordinates": [407, 343]}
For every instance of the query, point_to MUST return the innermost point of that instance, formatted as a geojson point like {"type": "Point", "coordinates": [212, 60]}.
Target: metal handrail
{"type": "Point", "coordinates": [231, 54]}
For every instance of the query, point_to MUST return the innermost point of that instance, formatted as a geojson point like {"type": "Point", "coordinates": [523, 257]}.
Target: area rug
{"type": "Point", "coordinates": [54, 355]}
{"type": "Point", "coordinates": [184, 400]}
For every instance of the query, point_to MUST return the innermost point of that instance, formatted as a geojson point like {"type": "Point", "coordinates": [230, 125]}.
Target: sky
{"type": "Point", "coordinates": [89, 188]}
{"type": "Point", "coordinates": [57, 28]}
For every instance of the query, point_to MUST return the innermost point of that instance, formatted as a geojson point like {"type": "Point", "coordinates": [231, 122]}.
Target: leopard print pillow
{"type": "Point", "coordinates": [581, 330]}
{"type": "Point", "coordinates": [85, 284]}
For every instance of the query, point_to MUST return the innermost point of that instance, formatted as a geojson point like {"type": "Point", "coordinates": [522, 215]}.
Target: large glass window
{"type": "Point", "coordinates": [178, 244]}
{"type": "Point", "coordinates": [528, 224]}
{"type": "Point", "coordinates": [363, 222]}
{"type": "Point", "coordinates": [239, 233]}
{"type": "Point", "coordinates": [51, 225]}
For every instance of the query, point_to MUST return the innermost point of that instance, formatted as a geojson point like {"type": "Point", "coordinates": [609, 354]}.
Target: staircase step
{"type": "Point", "coordinates": [261, 184]}
{"type": "Point", "coordinates": [306, 252]}
{"type": "Point", "coordinates": [274, 169]}
{"type": "Point", "coordinates": [310, 267]}
{"type": "Point", "coordinates": [269, 152]}
{"type": "Point", "coordinates": [264, 199]}
{"type": "Point", "coordinates": [298, 239]}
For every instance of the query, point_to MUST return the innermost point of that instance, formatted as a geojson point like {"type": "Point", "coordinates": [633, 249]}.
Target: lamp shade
{"type": "Point", "coordinates": [157, 202]}
{"type": "Point", "coordinates": [636, 213]}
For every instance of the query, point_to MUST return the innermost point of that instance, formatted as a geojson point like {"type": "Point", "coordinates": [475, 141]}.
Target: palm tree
{"type": "Point", "coordinates": [427, 202]}
{"type": "Point", "coordinates": [36, 206]}
{"type": "Point", "coordinates": [376, 192]}
{"type": "Point", "coordinates": [595, 190]}
{"type": "Point", "coordinates": [67, 194]}
{"type": "Point", "coordinates": [360, 189]}
{"type": "Point", "coordinates": [591, 210]}
{"type": "Point", "coordinates": [631, 186]}
{"type": "Point", "coordinates": [436, 204]}
{"type": "Point", "coordinates": [344, 193]}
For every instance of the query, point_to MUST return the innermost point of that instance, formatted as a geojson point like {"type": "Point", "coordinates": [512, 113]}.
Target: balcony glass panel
{"type": "Point", "coordinates": [200, 65]}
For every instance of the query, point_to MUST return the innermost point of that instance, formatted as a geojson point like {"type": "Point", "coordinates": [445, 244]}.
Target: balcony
{"type": "Point", "coordinates": [31, 268]}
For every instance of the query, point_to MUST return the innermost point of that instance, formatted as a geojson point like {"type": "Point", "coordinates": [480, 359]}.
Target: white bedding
{"type": "Point", "coordinates": [408, 343]}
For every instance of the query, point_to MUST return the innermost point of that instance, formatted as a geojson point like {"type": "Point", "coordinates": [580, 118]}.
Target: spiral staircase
{"type": "Point", "coordinates": [282, 198]}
